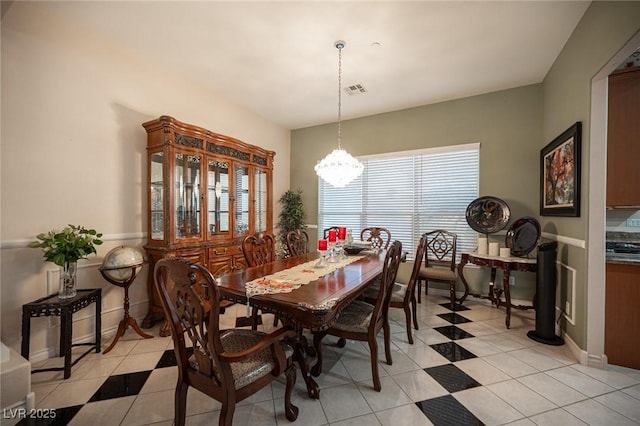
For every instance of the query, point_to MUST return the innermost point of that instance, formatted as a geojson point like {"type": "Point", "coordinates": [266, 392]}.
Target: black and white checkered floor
{"type": "Point", "coordinates": [465, 368]}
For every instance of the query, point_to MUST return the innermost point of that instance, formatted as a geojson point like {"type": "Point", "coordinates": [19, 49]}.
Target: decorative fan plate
{"type": "Point", "coordinates": [488, 214]}
{"type": "Point", "coordinates": [523, 236]}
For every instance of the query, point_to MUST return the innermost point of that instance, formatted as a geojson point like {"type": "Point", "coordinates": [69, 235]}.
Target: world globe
{"type": "Point", "coordinates": [118, 263]}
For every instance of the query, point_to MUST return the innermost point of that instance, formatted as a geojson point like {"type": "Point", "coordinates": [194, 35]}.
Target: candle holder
{"type": "Point", "coordinates": [322, 249]}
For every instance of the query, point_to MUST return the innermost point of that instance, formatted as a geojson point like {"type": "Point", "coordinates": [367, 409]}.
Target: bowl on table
{"type": "Point", "coordinates": [353, 249]}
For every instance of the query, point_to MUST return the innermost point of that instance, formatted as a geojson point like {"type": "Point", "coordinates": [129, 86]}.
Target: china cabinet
{"type": "Point", "coordinates": [206, 192]}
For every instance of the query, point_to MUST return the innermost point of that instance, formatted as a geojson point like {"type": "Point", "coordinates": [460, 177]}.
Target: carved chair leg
{"type": "Point", "coordinates": [180, 403]}
{"type": "Point", "coordinates": [290, 410]}
{"type": "Point", "coordinates": [415, 313]}
{"type": "Point", "coordinates": [419, 290]}
{"type": "Point", "coordinates": [226, 413]}
{"type": "Point", "coordinates": [254, 318]}
{"type": "Point", "coordinates": [407, 314]}
{"type": "Point", "coordinates": [373, 348]}
{"type": "Point", "coordinates": [387, 341]}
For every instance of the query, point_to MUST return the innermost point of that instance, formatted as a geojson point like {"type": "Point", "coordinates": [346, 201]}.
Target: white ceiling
{"type": "Point", "coordinates": [277, 58]}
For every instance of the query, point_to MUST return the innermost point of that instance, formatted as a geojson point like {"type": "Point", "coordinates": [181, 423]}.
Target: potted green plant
{"type": "Point", "coordinates": [65, 248]}
{"type": "Point", "coordinates": [292, 217]}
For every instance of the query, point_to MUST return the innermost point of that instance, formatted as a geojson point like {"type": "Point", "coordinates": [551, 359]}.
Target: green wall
{"type": "Point", "coordinates": [605, 28]}
{"type": "Point", "coordinates": [506, 124]}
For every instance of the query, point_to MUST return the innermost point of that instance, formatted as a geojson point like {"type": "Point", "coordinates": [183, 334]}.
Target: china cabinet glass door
{"type": "Point", "coordinates": [218, 197]}
{"type": "Point", "coordinates": [241, 200]}
{"type": "Point", "coordinates": [187, 195]}
{"type": "Point", "coordinates": [260, 194]}
{"type": "Point", "coordinates": [156, 196]}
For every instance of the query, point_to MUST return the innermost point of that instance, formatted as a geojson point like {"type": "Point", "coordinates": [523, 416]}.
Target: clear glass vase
{"type": "Point", "coordinates": [68, 280]}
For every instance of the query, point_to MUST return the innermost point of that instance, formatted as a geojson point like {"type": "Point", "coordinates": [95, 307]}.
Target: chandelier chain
{"type": "Point", "coordinates": [339, 46]}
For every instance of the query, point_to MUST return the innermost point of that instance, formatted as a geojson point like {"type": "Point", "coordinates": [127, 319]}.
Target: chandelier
{"type": "Point", "coordinates": [339, 168]}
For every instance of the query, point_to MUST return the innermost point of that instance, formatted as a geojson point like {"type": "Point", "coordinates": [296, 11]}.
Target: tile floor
{"type": "Point", "coordinates": [464, 368]}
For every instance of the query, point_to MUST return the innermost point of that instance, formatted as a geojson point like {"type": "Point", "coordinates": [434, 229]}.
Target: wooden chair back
{"type": "Point", "coordinates": [441, 249]}
{"type": "Point", "coordinates": [380, 237]}
{"type": "Point", "coordinates": [259, 248]}
{"type": "Point", "coordinates": [297, 242]}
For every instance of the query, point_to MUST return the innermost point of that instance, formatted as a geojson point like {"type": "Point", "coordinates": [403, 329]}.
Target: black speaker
{"type": "Point", "coordinates": [545, 299]}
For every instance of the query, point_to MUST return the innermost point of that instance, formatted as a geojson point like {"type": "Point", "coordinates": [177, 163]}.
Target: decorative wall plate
{"type": "Point", "coordinates": [488, 214]}
{"type": "Point", "coordinates": [523, 236]}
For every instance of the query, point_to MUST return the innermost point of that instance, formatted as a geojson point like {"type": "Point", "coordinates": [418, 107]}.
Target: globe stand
{"type": "Point", "coordinates": [127, 320]}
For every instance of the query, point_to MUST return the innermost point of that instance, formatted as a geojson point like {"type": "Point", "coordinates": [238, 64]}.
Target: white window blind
{"type": "Point", "coordinates": [409, 193]}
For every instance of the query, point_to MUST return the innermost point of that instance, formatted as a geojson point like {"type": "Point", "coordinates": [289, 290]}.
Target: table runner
{"type": "Point", "coordinates": [290, 279]}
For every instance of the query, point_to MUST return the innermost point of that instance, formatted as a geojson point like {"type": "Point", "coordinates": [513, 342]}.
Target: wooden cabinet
{"type": "Point", "coordinates": [206, 192]}
{"type": "Point", "coordinates": [623, 139]}
{"type": "Point", "coordinates": [622, 317]}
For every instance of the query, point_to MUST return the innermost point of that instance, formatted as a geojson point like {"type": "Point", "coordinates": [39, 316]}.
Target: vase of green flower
{"type": "Point", "coordinates": [65, 248]}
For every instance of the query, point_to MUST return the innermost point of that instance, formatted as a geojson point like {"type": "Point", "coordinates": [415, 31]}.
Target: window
{"type": "Point", "coordinates": [409, 193]}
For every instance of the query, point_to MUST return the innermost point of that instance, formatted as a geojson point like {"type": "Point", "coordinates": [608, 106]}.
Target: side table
{"type": "Point", "coordinates": [507, 264]}
{"type": "Point", "coordinates": [64, 308]}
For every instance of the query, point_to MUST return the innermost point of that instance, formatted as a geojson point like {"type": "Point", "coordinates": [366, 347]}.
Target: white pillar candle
{"type": "Point", "coordinates": [505, 252]}
{"type": "Point", "coordinates": [482, 245]}
{"type": "Point", "coordinates": [494, 249]}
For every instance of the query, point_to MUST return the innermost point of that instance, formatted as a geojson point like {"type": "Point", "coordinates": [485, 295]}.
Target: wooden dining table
{"type": "Point", "coordinates": [313, 306]}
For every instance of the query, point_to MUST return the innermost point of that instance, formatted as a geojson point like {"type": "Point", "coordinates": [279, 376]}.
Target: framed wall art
{"type": "Point", "coordinates": [560, 174]}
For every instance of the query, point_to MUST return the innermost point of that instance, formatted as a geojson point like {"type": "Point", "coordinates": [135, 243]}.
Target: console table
{"type": "Point", "coordinates": [507, 264]}
{"type": "Point", "coordinates": [52, 305]}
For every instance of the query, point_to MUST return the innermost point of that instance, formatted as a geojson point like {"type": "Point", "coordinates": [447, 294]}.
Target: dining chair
{"type": "Point", "coordinates": [362, 321]}
{"type": "Point", "coordinates": [226, 365]}
{"type": "Point", "coordinates": [439, 262]}
{"type": "Point", "coordinates": [403, 296]}
{"type": "Point", "coordinates": [259, 248]}
{"type": "Point", "coordinates": [380, 237]}
{"type": "Point", "coordinates": [297, 242]}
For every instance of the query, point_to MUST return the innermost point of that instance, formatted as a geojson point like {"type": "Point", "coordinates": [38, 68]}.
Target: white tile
{"type": "Point", "coordinates": [405, 415]}
{"type": "Point", "coordinates": [343, 402]}
{"type": "Point", "coordinates": [612, 378]}
{"type": "Point", "coordinates": [109, 412]}
{"type": "Point", "coordinates": [503, 341]}
{"type": "Point", "coordinates": [367, 420]}
{"type": "Point", "coordinates": [552, 389]}
{"type": "Point", "coordinates": [402, 363]}
{"type": "Point", "coordinates": [419, 385]}
{"type": "Point", "coordinates": [557, 417]}
{"type": "Point", "coordinates": [310, 411]}
{"type": "Point", "coordinates": [486, 406]}
{"type": "Point", "coordinates": [634, 391]}
{"type": "Point", "coordinates": [72, 393]}
{"type": "Point", "coordinates": [522, 422]}
{"type": "Point", "coordinates": [521, 397]}
{"type": "Point", "coordinates": [536, 359]}
{"type": "Point", "coordinates": [510, 365]}
{"type": "Point", "coordinates": [426, 357]}
{"type": "Point", "coordinates": [579, 381]}
{"type": "Point", "coordinates": [481, 371]}
{"type": "Point", "coordinates": [161, 379]}
{"type": "Point", "coordinates": [430, 336]}
{"type": "Point", "coordinates": [138, 362]}
{"type": "Point", "coordinates": [594, 413]}
{"type": "Point", "coordinates": [141, 413]}
{"type": "Point", "coordinates": [391, 395]}
{"type": "Point", "coordinates": [622, 403]}
{"type": "Point", "coordinates": [96, 367]}
{"type": "Point", "coordinates": [153, 344]}
{"type": "Point", "coordinates": [478, 347]}
{"type": "Point", "coordinates": [262, 414]}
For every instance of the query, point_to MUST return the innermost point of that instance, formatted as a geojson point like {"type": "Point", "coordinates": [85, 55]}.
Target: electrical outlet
{"type": "Point", "coordinates": [512, 280]}
{"type": "Point", "coordinates": [633, 222]}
